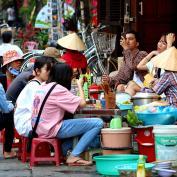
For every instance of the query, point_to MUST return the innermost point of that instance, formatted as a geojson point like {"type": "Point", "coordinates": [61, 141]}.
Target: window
{"type": "Point", "coordinates": [111, 12]}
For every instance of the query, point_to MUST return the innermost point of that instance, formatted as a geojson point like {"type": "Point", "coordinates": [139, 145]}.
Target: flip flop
{"type": "Point", "coordinates": [80, 162]}
{"type": "Point", "coordinates": [12, 155]}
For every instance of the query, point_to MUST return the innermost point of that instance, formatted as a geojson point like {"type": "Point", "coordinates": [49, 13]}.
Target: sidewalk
{"type": "Point", "coordinates": [15, 168]}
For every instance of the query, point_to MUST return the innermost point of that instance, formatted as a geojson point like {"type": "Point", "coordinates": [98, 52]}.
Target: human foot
{"type": "Point", "coordinates": [10, 155]}
{"type": "Point", "coordinates": [77, 161]}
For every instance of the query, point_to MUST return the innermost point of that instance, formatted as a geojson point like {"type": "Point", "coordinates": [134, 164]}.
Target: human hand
{"type": "Point", "coordinates": [153, 82]}
{"type": "Point", "coordinates": [121, 88]}
{"type": "Point", "coordinates": [155, 52]}
{"type": "Point", "coordinates": [80, 82]}
{"type": "Point", "coordinates": [170, 39]}
{"type": "Point", "coordinates": [123, 43]}
{"type": "Point", "coordinates": [105, 78]}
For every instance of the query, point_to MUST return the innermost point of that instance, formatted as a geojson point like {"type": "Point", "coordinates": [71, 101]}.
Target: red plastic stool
{"type": "Point", "coordinates": [145, 140]}
{"type": "Point", "coordinates": [23, 155]}
{"type": "Point", "coordinates": [37, 154]}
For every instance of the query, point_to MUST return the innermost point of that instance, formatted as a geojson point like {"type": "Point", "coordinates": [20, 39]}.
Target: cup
{"type": "Point", "coordinates": [103, 103]}
{"type": "Point", "coordinates": [116, 123]}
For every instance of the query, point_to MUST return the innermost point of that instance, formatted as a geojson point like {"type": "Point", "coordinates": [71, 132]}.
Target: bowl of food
{"type": "Point", "coordinates": [126, 105]}
{"type": "Point", "coordinates": [161, 115]}
{"type": "Point", "coordinates": [130, 169]}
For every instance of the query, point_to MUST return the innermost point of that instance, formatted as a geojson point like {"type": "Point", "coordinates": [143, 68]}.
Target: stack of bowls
{"type": "Point", "coordinates": [165, 172]}
{"type": "Point", "coordinates": [164, 165]}
{"type": "Point", "coordinates": [164, 169]}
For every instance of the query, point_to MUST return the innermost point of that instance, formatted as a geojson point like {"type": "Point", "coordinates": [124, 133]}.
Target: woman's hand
{"type": "Point", "coordinates": [123, 43]}
{"type": "Point", "coordinates": [170, 39]}
{"type": "Point", "coordinates": [153, 82]}
{"type": "Point", "coordinates": [155, 52]}
{"type": "Point", "coordinates": [80, 82]}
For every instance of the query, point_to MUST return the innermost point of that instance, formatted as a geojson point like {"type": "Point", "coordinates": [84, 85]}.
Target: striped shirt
{"type": "Point", "coordinates": [168, 84]}
{"type": "Point", "coordinates": [129, 66]}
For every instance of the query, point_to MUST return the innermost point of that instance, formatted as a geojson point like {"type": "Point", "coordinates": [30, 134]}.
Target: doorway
{"type": "Point", "coordinates": [153, 18]}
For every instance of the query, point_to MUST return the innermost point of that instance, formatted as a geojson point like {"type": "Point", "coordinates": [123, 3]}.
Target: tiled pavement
{"type": "Point", "coordinates": [15, 168]}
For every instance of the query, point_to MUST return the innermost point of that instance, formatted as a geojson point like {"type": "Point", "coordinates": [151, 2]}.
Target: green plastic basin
{"type": "Point", "coordinates": [106, 164]}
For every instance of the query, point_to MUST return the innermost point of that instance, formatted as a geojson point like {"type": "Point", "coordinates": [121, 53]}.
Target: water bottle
{"type": "Point", "coordinates": [141, 171]}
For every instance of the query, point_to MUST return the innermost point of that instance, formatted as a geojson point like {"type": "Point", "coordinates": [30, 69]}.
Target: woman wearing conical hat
{"type": "Point", "coordinates": [73, 56]}
{"type": "Point", "coordinates": [167, 83]}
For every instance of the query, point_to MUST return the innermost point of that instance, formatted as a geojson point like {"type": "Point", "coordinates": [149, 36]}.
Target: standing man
{"type": "Point", "coordinates": [11, 16]}
{"type": "Point", "coordinates": [132, 56]}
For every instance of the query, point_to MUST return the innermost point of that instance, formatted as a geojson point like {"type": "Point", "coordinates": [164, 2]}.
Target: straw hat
{"type": "Point", "coordinates": [166, 60]}
{"type": "Point", "coordinates": [52, 52]}
{"type": "Point", "coordinates": [4, 29]}
{"type": "Point", "coordinates": [72, 41]}
{"type": "Point", "coordinates": [10, 56]}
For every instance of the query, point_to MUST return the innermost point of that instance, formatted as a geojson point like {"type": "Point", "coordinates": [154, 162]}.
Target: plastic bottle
{"type": "Point", "coordinates": [102, 100]}
{"type": "Point", "coordinates": [141, 171]}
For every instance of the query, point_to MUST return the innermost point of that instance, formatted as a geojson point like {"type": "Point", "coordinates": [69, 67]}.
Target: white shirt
{"type": "Point", "coordinates": [23, 111]}
{"type": "Point", "coordinates": [137, 80]}
{"type": "Point", "coordinates": [151, 70]}
{"type": "Point", "coordinates": [8, 46]}
{"type": "Point", "coordinates": [11, 14]}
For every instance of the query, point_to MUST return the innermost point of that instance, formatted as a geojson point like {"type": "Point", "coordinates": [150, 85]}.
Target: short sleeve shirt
{"type": "Point", "coordinates": [59, 101]}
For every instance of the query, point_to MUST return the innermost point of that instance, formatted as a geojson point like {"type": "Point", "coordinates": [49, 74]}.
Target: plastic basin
{"type": "Point", "coordinates": [125, 106]}
{"type": "Point", "coordinates": [106, 164]}
{"type": "Point", "coordinates": [157, 118]}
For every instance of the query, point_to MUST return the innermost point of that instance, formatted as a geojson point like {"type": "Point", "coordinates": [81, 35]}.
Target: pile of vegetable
{"type": "Point", "coordinates": [132, 119]}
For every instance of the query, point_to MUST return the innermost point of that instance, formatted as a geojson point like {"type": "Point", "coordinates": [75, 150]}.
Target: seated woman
{"type": "Point", "coordinates": [167, 83]}
{"type": "Point", "coordinates": [165, 42]}
{"type": "Point", "coordinates": [6, 121]}
{"type": "Point", "coordinates": [12, 61]}
{"type": "Point", "coordinates": [51, 123]}
{"type": "Point", "coordinates": [23, 111]}
{"type": "Point", "coordinates": [73, 56]}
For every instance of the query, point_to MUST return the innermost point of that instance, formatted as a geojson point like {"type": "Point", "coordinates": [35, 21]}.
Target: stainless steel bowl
{"type": "Point", "coordinates": [144, 98]}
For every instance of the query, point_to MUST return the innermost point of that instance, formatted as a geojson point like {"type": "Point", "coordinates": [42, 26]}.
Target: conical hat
{"type": "Point", "coordinates": [72, 41]}
{"type": "Point", "coordinates": [166, 60]}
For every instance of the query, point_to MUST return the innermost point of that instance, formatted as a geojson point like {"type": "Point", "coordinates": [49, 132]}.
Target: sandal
{"type": "Point", "coordinates": [10, 155]}
{"type": "Point", "coordinates": [79, 162]}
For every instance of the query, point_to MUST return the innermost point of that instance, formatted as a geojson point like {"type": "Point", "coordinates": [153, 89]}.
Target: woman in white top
{"type": "Point", "coordinates": [24, 103]}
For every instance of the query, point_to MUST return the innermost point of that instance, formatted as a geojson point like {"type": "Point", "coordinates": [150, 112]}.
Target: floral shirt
{"type": "Point", "coordinates": [168, 84]}
{"type": "Point", "coordinates": [129, 66]}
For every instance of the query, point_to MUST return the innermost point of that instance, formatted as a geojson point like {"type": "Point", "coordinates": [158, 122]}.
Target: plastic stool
{"type": "Point", "coordinates": [23, 155]}
{"type": "Point", "coordinates": [41, 157]}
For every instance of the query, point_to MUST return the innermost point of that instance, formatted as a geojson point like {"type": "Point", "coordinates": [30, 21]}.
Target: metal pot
{"type": "Point", "coordinates": [144, 98]}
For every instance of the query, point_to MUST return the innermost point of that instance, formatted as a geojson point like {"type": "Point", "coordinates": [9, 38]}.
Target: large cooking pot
{"type": "Point", "coordinates": [144, 98]}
